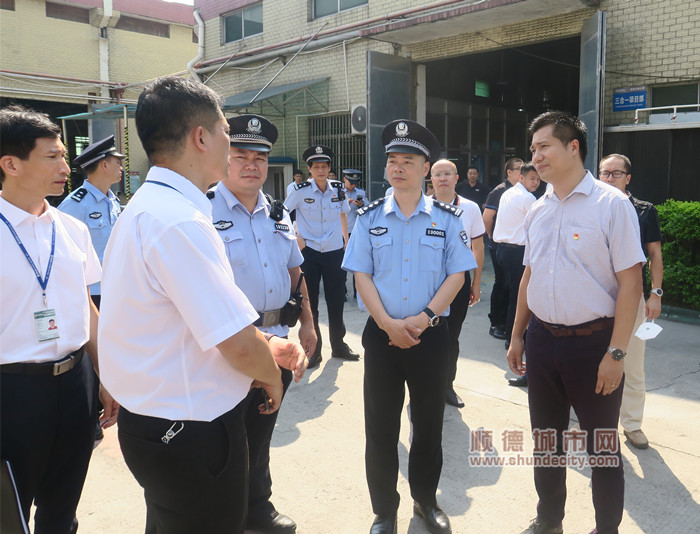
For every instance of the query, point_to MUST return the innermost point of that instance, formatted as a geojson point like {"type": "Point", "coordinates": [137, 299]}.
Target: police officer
{"type": "Point", "coordinates": [47, 324]}
{"type": "Point", "coordinates": [356, 199]}
{"type": "Point", "coordinates": [409, 254]}
{"type": "Point", "coordinates": [322, 226]}
{"type": "Point", "coordinates": [262, 249]}
{"type": "Point", "coordinates": [94, 203]}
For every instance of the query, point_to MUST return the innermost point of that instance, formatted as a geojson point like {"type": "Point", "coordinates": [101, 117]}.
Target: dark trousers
{"type": "Point", "coordinates": [259, 429]}
{"type": "Point", "coordinates": [47, 430]}
{"type": "Point", "coordinates": [326, 265]}
{"type": "Point", "coordinates": [562, 372]}
{"type": "Point", "coordinates": [510, 257]}
{"type": "Point", "coordinates": [499, 293]}
{"type": "Point", "coordinates": [458, 312]}
{"type": "Point", "coordinates": [388, 369]}
{"type": "Point", "coordinates": [198, 482]}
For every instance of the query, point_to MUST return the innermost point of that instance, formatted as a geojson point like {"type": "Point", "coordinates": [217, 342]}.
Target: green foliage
{"type": "Point", "coordinates": [680, 230]}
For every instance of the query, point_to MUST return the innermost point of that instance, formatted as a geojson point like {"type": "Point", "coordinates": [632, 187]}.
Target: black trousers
{"type": "Point", "coordinates": [458, 312]}
{"type": "Point", "coordinates": [510, 258]}
{"type": "Point", "coordinates": [198, 482]}
{"type": "Point", "coordinates": [47, 431]}
{"type": "Point", "coordinates": [499, 293]}
{"type": "Point", "coordinates": [388, 369]}
{"type": "Point", "coordinates": [259, 428]}
{"type": "Point", "coordinates": [326, 265]}
{"type": "Point", "coordinates": [562, 372]}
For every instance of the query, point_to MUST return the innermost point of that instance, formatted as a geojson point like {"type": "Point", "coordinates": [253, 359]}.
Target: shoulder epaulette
{"type": "Point", "coordinates": [79, 194]}
{"type": "Point", "coordinates": [211, 194]}
{"type": "Point", "coordinates": [301, 185]}
{"type": "Point", "coordinates": [371, 206]}
{"type": "Point", "coordinates": [449, 208]}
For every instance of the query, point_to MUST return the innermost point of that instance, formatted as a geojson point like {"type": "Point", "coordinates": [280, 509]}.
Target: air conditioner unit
{"type": "Point", "coordinates": [358, 120]}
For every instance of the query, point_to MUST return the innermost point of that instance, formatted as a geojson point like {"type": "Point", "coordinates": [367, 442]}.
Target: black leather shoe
{"type": "Point", "coordinates": [345, 353]}
{"type": "Point", "coordinates": [453, 399]}
{"type": "Point", "coordinates": [384, 524]}
{"type": "Point", "coordinates": [520, 382]}
{"type": "Point", "coordinates": [315, 360]}
{"type": "Point", "coordinates": [498, 332]}
{"type": "Point", "coordinates": [540, 526]}
{"type": "Point", "coordinates": [275, 523]}
{"type": "Point", "coordinates": [435, 519]}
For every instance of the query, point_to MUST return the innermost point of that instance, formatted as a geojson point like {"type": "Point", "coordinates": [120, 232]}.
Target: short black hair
{"type": "Point", "coordinates": [297, 171]}
{"type": "Point", "coordinates": [20, 127]}
{"type": "Point", "coordinates": [527, 167]}
{"type": "Point", "coordinates": [512, 163]}
{"type": "Point", "coordinates": [624, 159]}
{"type": "Point", "coordinates": [567, 127]}
{"type": "Point", "coordinates": [473, 167]}
{"type": "Point", "coordinates": [169, 108]}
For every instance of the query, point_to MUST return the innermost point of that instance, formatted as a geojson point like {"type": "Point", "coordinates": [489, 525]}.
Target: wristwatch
{"type": "Point", "coordinates": [432, 317]}
{"type": "Point", "coordinates": [617, 354]}
{"type": "Point", "coordinates": [658, 292]}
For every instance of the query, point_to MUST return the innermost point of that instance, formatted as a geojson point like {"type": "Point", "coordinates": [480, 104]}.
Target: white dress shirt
{"type": "Point", "coordinates": [75, 266]}
{"type": "Point", "coordinates": [512, 209]}
{"type": "Point", "coordinates": [574, 247]}
{"type": "Point", "coordinates": [168, 298]}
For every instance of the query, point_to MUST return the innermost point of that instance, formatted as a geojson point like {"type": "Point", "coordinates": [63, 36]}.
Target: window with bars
{"type": "Point", "coordinates": [350, 150]}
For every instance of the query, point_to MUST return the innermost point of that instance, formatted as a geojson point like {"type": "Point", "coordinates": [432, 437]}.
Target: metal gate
{"type": "Point", "coordinates": [350, 150]}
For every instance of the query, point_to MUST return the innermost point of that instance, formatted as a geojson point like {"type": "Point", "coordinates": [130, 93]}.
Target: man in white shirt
{"type": "Point", "coordinates": [176, 336]}
{"type": "Point", "coordinates": [509, 233]}
{"type": "Point", "coordinates": [48, 401]}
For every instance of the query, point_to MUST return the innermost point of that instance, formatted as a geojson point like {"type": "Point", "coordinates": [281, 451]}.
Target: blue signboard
{"type": "Point", "coordinates": [626, 98]}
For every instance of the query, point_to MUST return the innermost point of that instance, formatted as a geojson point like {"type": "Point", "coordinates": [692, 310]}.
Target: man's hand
{"type": "Point", "coordinates": [274, 393]}
{"type": "Point", "coordinates": [301, 242]}
{"type": "Point", "coordinates": [515, 355]}
{"type": "Point", "coordinates": [289, 355]}
{"type": "Point", "coordinates": [402, 333]}
{"type": "Point", "coordinates": [609, 375]}
{"type": "Point", "coordinates": [653, 307]}
{"type": "Point", "coordinates": [307, 338]}
{"type": "Point", "coordinates": [111, 408]}
{"type": "Point", "coordinates": [475, 295]}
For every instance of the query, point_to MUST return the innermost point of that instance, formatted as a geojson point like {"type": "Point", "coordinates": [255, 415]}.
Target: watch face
{"type": "Point", "coordinates": [658, 292]}
{"type": "Point", "coordinates": [617, 354]}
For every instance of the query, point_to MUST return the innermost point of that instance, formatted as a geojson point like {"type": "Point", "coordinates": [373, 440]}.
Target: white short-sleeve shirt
{"type": "Point", "coordinates": [512, 209]}
{"type": "Point", "coordinates": [75, 266]}
{"type": "Point", "coordinates": [168, 298]}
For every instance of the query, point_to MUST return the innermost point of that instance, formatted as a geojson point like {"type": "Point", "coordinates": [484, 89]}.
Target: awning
{"type": "Point", "coordinates": [300, 96]}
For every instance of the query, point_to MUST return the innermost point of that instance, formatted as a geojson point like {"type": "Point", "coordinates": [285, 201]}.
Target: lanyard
{"type": "Point", "coordinates": [45, 282]}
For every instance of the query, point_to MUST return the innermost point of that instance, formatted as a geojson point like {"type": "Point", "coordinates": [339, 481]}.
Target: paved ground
{"type": "Point", "coordinates": [318, 465]}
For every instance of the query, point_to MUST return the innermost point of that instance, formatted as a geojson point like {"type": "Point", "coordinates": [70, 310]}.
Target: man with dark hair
{"type": "Point", "coordinates": [265, 259]}
{"type": "Point", "coordinates": [578, 299]}
{"type": "Point", "coordinates": [298, 177]}
{"type": "Point", "coordinates": [616, 170]}
{"type": "Point", "coordinates": [499, 292]}
{"type": "Point", "coordinates": [322, 231]}
{"type": "Point", "coordinates": [409, 254]}
{"type": "Point", "coordinates": [48, 399]}
{"type": "Point", "coordinates": [472, 189]}
{"type": "Point", "coordinates": [179, 348]}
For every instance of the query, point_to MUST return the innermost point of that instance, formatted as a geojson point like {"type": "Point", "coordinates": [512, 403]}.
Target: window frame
{"type": "Point", "coordinates": [339, 10]}
{"type": "Point", "coordinates": [240, 11]}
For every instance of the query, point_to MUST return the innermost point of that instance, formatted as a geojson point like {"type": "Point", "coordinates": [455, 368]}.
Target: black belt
{"type": "Point", "coordinates": [583, 329]}
{"type": "Point", "coordinates": [55, 368]}
{"type": "Point", "coordinates": [510, 245]}
{"type": "Point", "coordinates": [268, 318]}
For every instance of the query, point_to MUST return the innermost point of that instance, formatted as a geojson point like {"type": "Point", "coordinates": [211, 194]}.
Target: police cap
{"type": "Point", "coordinates": [409, 137]}
{"type": "Point", "coordinates": [252, 132]}
{"type": "Point", "coordinates": [352, 175]}
{"type": "Point", "coordinates": [97, 151]}
{"type": "Point", "coordinates": [317, 153]}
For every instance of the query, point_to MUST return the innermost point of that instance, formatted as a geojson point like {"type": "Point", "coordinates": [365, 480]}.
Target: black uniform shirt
{"type": "Point", "coordinates": [476, 194]}
{"type": "Point", "coordinates": [649, 227]}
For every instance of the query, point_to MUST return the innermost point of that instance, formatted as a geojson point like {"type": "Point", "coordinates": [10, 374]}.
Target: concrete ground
{"type": "Point", "coordinates": [318, 449]}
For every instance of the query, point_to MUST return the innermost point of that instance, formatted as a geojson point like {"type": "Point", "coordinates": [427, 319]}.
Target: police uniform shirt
{"type": "Point", "coordinates": [261, 251]}
{"type": "Point", "coordinates": [75, 266]}
{"type": "Point", "coordinates": [512, 208]}
{"type": "Point", "coordinates": [169, 298]}
{"type": "Point", "coordinates": [318, 214]}
{"type": "Point", "coordinates": [352, 214]}
{"type": "Point", "coordinates": [98, 211]}
{"type": "Point", "coordinates": [408, 259]}
{"type": "Point", "coordinates": [574, 246]}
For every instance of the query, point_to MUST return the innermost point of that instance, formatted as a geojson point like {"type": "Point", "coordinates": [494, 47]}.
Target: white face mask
{"type": "Point", "coordinates": [648, 330]}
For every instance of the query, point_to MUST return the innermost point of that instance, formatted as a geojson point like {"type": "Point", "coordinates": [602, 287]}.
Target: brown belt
{"type": "Point", "coordinates": [583, 329]}
{"type": "Point", "coordinates": [44, 368]}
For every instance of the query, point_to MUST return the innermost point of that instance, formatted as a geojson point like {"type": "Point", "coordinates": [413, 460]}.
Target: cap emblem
{"type": "Point", "coordinates": [319, 150]}
{"type": "Point", "coordinates": [402, 129]}
{"type": "Point", "coordinates": [254, 126]}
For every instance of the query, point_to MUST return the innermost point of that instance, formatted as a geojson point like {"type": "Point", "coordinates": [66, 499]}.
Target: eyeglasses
{"type": "Point", "coordinates": [615, 174]}
{"type": "Point", "coordinates": [441, 174]}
